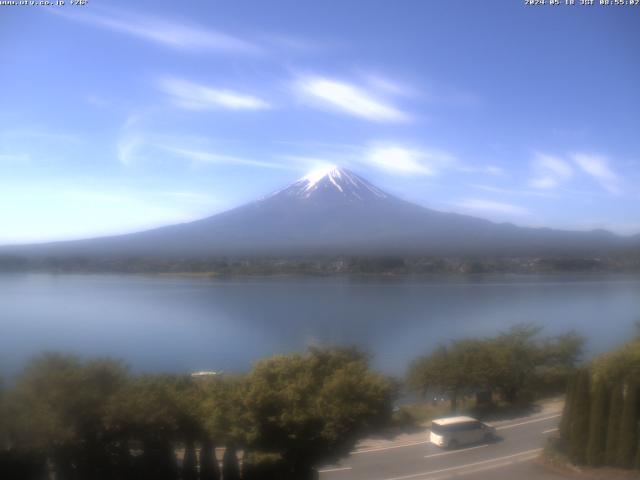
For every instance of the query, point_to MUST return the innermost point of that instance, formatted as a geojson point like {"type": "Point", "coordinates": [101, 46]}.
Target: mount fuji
{"type": "Point", "coordinates": [334, 211]}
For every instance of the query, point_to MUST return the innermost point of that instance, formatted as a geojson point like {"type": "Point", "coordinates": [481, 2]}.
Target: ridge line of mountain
{"type": "Point", "coordinates": [334, 213]}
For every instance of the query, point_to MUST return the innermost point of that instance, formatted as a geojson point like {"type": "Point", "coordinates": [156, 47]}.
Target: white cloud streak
{"type": "Point", "coordinates": [143, 147]}
{"type": "Point", "coordinates": [551, 171]}
{"type": "Point", "coordinates": [186, 37]}
{"type": "Point", "coordinates": [200, 156]}
{"type": "Point", "coordinates": [598, 167]}
{"type": "Point", "coordinates": [350, 99]}
{"type": "Point", "coordinates": [194, 96]}
{"type": "Point", "coordinates": [476, 204]}
{"type": "Point", "coordinates": [398, 159]}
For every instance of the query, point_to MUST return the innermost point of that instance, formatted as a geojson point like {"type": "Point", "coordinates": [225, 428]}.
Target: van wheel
{"type": "Point", "coordinates": [489, 438]}
{"type": "Point", "coordinates": [453, 444]}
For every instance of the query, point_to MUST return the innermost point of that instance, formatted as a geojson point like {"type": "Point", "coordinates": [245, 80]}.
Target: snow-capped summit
{"type": "Point", "coordinates": [333, 181]}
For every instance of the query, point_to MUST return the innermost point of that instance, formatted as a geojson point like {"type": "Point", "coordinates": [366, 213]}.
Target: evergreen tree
{"type": "Point", "coordinates": [579, 427]}
{"type": "Point", "coordinates": [598, 424]}
{"type": "Point", "coordinates": [628, 428]}
{"type": "Point", "coordinates": [565, 421]}
{"type": "Point", "coordinates": [613, 424]}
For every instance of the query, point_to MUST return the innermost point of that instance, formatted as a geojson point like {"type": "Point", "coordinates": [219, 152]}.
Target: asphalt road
{"type": "Point", "coordinates": [512, 456]}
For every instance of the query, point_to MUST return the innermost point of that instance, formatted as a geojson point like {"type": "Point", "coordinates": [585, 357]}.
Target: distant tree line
{"type": "Point", "coordinates": [601, 420]}
{"type": "Point", "coordinates": [515, 366]}
{"type": "Point", "coordinates": [73, 419]}
{"type": "Point", "coordinates": [326, 265]}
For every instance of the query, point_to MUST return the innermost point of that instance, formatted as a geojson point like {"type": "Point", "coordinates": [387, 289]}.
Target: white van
{"type": "Point", "coordinates": [453, 432]}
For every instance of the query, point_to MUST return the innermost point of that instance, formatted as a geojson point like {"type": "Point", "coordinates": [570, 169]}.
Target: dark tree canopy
{"type": "Point", "coordinates": [509, 364]}
{"type": "Point", "coordinates": [92, 419]}
{"type": "Point", "coordinates": [311, 408]}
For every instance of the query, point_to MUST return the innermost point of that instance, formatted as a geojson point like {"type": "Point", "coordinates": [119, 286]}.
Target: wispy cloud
{"type": "Point", "coordinates": [476, 204]}
{"type": "Point", "coordinates": [384, 84]}
{"type": "Point", "coordinates": [200, 156]}
{"type": "Point", "coordinates": [398, 159]}
{"type": "Point", "coordinates": [182, 36]}
{"type": "Point", "coordinates": [515, 192]}
{"type": "Point", "coordinates": [598, 167]}
{"type": "Point", "coordinates": [351, 99]}
{"type": "Point", "coordinates": [550, 171]}
{"type": "Point", "coordinates": [494, 170]}
{"type": "Point", "coordinates": [127, 149]}
{"type": "Point", "coordinates": [137, 147]}
{"type": "Point", "coordinates": [391, 157]}
{"type": "Point", "coordinates": [194, 96]}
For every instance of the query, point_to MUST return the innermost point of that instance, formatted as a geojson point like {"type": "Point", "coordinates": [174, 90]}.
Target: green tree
{"type": "Point", "coordinates": [628, 443]}
{"type": "Point", "coordinates": [263, 466]}
{"type": "Point", "coordinates": [614, 423]}
{"type": "Point", "coordinates": [596, 446]}
{"type": "Point", "coordinates": [146, 415]}
{"type": "Point", "coordinates": [187, 397]}
{"type": "Point", "coordinates": [456, 369]}
{"type": "Point", "coordinates": [516, 363]}
{"type": "Point", "coordinates": [224, 410]}
{"type": "Point", "coordinates": [311, 408]}
{"type": "Point", "coordinates": [58, 406]}
{"type": "Point", "coordinates": [226, 421]}
{"type": "Point", "coordinates": [579, 428]}
{"type": "Point", "coordinates": [559, 357]}
{"type": "Point", "coordinates": [516, 358]}
{"type": "Point", "coordinates": [621, 364]}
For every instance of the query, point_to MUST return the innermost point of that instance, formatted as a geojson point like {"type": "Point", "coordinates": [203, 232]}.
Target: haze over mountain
{"type": "Point", "coordinates": [334, 211]}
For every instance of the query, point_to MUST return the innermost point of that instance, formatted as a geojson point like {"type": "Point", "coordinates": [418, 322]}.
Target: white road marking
{"type": "Point", "coordinates": [504, 427]}
{"type": "Point", "coordinates": [493, 466]}
{"type": "Point", "coordinates": [474, 464]}
{"type": "Point", "coordinates": [337, 469]}
{"type": "Point", "coordinates": [379, 449]}
{"type": "Point", "coordinates": [550, 430]}
{"type": "Point", "coordinates": [455, 451]}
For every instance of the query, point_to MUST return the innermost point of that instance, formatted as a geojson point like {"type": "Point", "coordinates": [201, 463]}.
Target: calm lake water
{"type": "Point", "coordinates": [185, 324]}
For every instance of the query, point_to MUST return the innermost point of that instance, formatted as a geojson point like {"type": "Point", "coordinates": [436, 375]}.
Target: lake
{"type": "Point", "coordinates": [180, 324]}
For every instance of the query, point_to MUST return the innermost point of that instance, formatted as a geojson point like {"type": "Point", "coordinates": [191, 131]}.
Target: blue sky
{"type": "Point", "coordinates": [120, 116]}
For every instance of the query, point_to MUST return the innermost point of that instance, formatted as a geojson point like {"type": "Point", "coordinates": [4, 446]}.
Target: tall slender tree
{"type": "Point", "coordinates": [613, 424]}
{"type": "Point", "coordinates": [579, 428]}
{"type": "Point", "coordinates": [628, 427]}
{"type": "Point", "coordinates": [596, 445]}
{"type": "Point", "coordinates": [567, 412]}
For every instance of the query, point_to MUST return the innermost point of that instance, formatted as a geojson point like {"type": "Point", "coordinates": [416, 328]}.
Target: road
{"type": "Point", "coordinates": [512, 456]}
